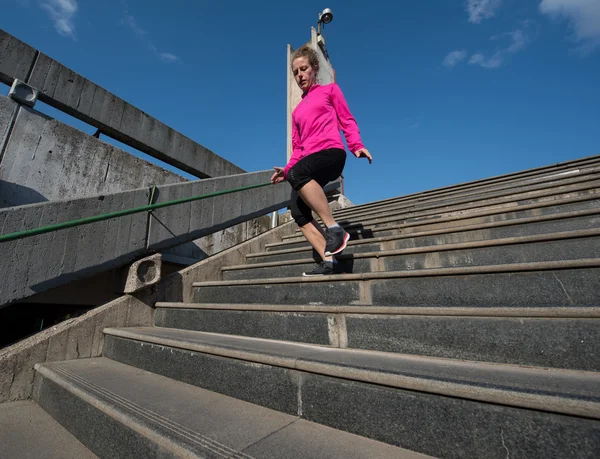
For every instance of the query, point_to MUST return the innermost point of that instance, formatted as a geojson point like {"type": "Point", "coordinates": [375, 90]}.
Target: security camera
{"type": "Point", "coordinates": [326, 16]}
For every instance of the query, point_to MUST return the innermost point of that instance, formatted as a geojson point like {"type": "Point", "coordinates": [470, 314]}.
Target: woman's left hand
{"type": "Point", "coordinates": [364, 153]}
{"type": "Point", "coordinates": [278, 176]}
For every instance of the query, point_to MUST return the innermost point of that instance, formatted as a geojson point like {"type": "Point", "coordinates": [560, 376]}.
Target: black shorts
{"type": "Point", "coordinates": [322, 167]}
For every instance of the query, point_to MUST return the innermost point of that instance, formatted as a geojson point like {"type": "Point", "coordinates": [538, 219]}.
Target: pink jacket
{"type": "Point", "coordinates": [316, 123]}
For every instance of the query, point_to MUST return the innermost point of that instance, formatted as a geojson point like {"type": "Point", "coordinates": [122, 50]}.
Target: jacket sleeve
{"type": "Point", "coordinates": [296, 150]}
{"type": "Point", "coordinates": [346, 120]}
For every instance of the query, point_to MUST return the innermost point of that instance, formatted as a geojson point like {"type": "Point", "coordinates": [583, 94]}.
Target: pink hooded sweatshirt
{"type": "Point", "coordinates": [316, 123]}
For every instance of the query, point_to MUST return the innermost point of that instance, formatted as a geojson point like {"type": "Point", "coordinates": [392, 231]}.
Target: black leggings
{"type": "Point", "coordinates": [323, 167]}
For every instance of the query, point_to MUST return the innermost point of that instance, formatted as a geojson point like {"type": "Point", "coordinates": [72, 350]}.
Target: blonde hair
{"type": "Point", "coordinates": [309, 53]}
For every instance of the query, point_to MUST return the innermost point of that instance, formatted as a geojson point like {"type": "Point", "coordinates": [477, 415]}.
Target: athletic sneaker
{"type": "Point", "coordinates": [335, 240]}
{"type": "Point", "coordinates": [324, 268]}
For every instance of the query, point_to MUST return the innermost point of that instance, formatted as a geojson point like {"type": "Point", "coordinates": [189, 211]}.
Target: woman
{"type": "Point", "coordinates": [318, 157]}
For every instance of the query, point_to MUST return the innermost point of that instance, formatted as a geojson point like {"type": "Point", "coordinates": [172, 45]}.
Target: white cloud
{"type": "Point", "coordinates": [168, 57]}
{"type": "Point", "coordinates": [482, 9]}
{"type": "Point", "coordinates": [584, 16]}
{"type": "Point", "coordinates": [519, 40]}
{"type": "Point", "coordinates": [454, 58]}
{"type": "Point", "coordinates": [135, 28]}
{"type": "Point", "coordinates": [142, 35]}
{"type": "Point", "coordinates": [62, 13]}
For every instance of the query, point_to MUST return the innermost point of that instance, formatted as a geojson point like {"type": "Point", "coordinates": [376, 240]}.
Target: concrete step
{"type": "Point", "coordinates": [514, 180]}
{"type": "Point", "coordinates": [435, 212]}
{"type": "Point", "coordinates": [570, 245]}
{"type": "Point", "coordinates": [124, 412]}
{"type": "Point", "coordinates": [548, 284]}
{"type": "Point", "coordinates": [479, 198]}
{"type": "Point", "coordinates": [356, 232]}
{"type": "Point", "coordinates": [423, 404]}
{"type": "Point", "coordinates": [564, 221]}
{"type": "Point", "coordinates": [406, 225]}
{"type": "Point", "coordinates": [28, 432]}
{"type": "Point", "coordinates": [557, 338]}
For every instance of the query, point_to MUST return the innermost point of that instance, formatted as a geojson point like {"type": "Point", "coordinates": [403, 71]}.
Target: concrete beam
{"type": "Point", "coordinates": [39, 263]}
{"type": "Point", "coordinates": [68, 91]}
{"type": "Point", "coordinates": [16, 58]}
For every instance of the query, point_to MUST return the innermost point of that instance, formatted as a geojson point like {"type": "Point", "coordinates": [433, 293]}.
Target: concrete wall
{"type": "Point", "coordinates": [64, 89]}
{"type": "Point", "coordinates": [39, 263]}
{"type": "Point", "coordinates": [46, 160]}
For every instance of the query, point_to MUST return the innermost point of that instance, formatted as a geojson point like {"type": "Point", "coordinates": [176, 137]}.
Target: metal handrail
{"type": "Point", "coordinates": [121, 213]}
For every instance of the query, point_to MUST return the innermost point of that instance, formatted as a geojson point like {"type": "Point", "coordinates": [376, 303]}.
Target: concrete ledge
{"type": "Point", "coordinates": [83, 338]}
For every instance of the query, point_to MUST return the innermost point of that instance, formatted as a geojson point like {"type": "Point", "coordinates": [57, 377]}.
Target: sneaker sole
{"type": "Point", "coordinates": [342, 247]}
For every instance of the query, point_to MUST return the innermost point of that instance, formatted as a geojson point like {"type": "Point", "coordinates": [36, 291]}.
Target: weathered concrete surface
{"type": "Point", "coordinates": [143, 273]}
{"type": "Point", "coordinates": [84, 333]}
{"type": "Point", "coordinates": [64, 89]}
{"type": "Point", "coordinates": [108, 286]}
{"type": "Point", "coordinates": [77, 338]}
{"type": "Point", "coordinates": [7, 112]}
{"type": "Point", "coordinates": [16, 58]}
{"type": "Point", "coordinates": [46, 160]}
{"type": "Point", "coordinates": [38, 263]}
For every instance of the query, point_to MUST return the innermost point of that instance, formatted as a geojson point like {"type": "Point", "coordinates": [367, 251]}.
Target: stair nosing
{"type": "Point", "coordinates": [456, 229]}
{"type": "Point", "coordinates": [482, 182]}
{"type": "Point", "coordinates": [116, 412]}
{"type": "Point", "coordinates": [434, 272]}
{"type": "Point", "coordinates": [524, 399]}
{"type": "Point", "coordinates": [533, 312]}
{"type": "Point", "coordinates": [518, 240]}
{"type": "Point", "coordinates": [499, 193]}
{"type": "Point", "coordinates": [466, 216]}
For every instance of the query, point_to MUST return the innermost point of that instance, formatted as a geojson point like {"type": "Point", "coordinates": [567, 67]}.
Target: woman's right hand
{"type": "Point", "coordinates": [364, 153]}
{"type": "Point", "coordinates": [278, 176]}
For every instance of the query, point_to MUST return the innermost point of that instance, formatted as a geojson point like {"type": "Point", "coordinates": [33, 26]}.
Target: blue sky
{"type": "Point", "coordinates": [444, 91]}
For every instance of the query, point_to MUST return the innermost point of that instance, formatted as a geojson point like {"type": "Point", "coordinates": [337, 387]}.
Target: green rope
{"type": "Point", "coordinates": [121, 213]}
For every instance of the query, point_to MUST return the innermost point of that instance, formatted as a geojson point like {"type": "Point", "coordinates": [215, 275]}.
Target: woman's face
{"type": "Point", "coordinates": [304, 74]}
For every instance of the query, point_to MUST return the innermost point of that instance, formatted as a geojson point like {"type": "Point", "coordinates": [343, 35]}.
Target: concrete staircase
{"type": "Point", "coordinates": [464, 323]}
